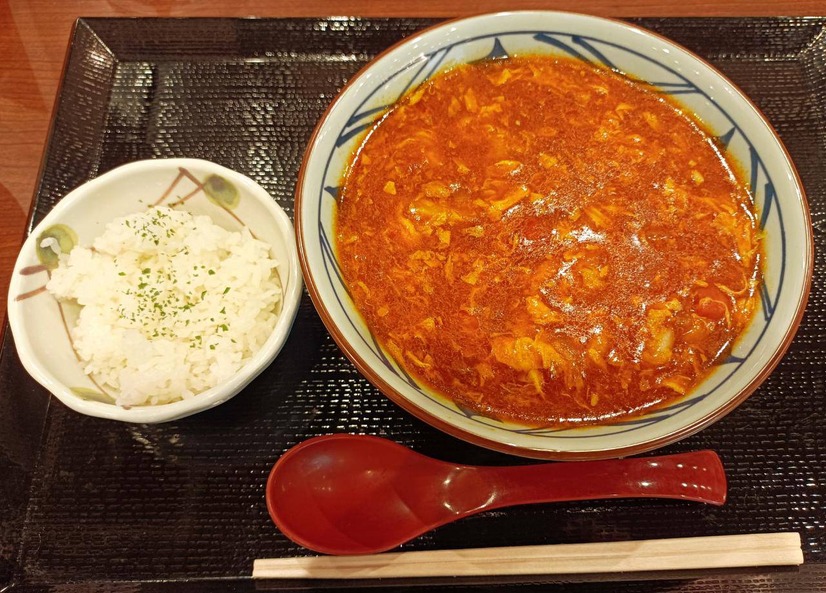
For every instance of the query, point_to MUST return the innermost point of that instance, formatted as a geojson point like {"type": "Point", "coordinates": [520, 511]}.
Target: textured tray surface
{"type": "Point", "coordinates": [91, 504]}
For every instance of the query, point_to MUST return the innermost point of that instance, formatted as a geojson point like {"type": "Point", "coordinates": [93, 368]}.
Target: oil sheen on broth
{"type": "Point", "coordinates": [548, 243]}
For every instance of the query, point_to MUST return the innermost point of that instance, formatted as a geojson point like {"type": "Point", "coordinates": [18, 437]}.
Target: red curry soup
{"type": "Point", "coordinates": [549, 243]}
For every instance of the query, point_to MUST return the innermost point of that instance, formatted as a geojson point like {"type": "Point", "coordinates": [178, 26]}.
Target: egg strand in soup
{"type": "Point", "coordinates": [547, 242]}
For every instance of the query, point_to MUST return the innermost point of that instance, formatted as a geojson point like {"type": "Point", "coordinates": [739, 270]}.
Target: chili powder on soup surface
{"type": "Point", "coordinates": [547, 242]}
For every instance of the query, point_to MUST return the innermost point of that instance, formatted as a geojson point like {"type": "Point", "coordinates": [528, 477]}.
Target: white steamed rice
{"type": "Point", "coordinates": [172, 304]}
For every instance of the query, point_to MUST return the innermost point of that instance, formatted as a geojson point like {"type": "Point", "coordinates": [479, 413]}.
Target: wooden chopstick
{"type": "Point", "coordinates": [719, 551]}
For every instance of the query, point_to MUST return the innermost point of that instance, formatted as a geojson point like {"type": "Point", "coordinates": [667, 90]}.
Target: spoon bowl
{"type": "Point", "coordinates": [357, 494]}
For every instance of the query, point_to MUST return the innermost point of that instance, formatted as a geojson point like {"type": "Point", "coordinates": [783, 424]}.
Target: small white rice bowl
{"type": "Point", "coordinates": [214, 335]}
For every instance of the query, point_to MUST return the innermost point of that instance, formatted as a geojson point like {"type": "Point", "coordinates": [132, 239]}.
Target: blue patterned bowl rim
{"type": "Point", "coordinates": [742, 132]}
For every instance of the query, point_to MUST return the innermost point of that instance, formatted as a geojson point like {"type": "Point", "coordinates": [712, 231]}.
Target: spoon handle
{"type": "Point", "coordinates": [696, 476]}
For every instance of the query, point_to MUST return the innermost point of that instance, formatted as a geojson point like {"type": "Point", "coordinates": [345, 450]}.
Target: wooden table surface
{"type": "Point", "coordinates": [34, 35]}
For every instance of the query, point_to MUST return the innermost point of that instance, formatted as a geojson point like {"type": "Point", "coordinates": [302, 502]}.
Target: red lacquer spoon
{"type": "Point", "coordinates": [349, 494]}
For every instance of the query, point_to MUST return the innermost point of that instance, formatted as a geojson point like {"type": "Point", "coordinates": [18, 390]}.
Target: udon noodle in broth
{"type": "Point", "coordinates": [547, 242]}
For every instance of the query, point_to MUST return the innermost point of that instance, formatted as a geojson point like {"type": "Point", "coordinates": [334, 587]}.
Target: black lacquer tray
{"type": "Point", "coordinates": [94, 505]}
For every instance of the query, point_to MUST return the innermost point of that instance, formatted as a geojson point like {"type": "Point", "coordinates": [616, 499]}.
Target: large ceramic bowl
{"type": "Point", "coordinates": [40, 323]}
{"type": "Point", "coordinates": [727, 112]}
